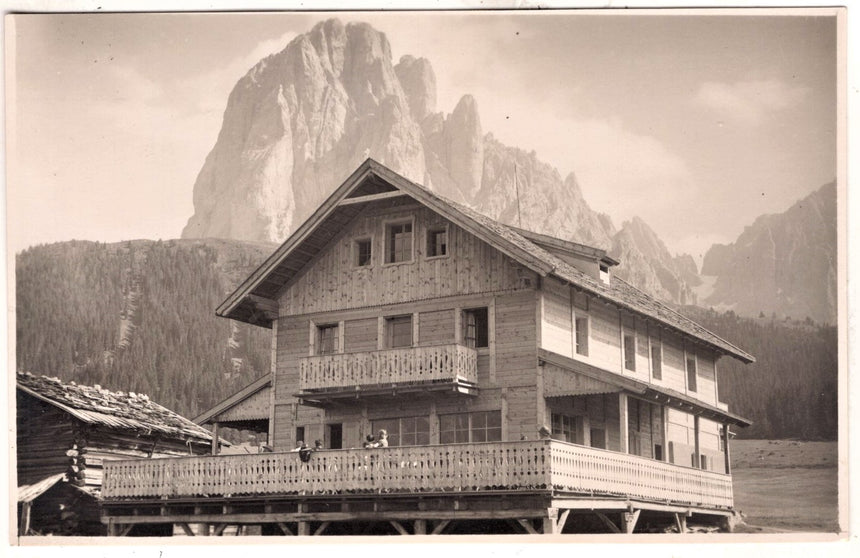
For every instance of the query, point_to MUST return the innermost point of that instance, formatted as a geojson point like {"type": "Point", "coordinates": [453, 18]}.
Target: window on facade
{"type": "Point", "coordinates": [480, 426]}
{"type": "Point", "coordinates": [363, 252]}
{"type": "Point", "coordinates": [398, 241]}
{"type": "Point", "coordinates": [598, 437]}
{"type": "Point", "coordinates": [327, 339]}
{"type": "Point", "coordinates": [300, 435]}
{"type": "Point", "coordinates": [476, 328]}
{"type": "Point", "coordinates": [703, 461]}
{"type": "Point", "coordinates": [437, 242]}
{"type": "Point", "coordinates": [722, 438]}
{"type": "Point", "coordinates": [671, 447]}
{"type": "Point", "coordinates": [399, 331]}
{"type": "Point", "coordinates": [566, 428]}
{"type": "Point", "coordinates": [404, 431]}
{"type": "Point", "coordinates": [658, 452]}
{"type": "Point", "coordinates": [581, 325]}
{"type": "Point", "coordinates": [691, 374]}
{"type": "Point", "coordinates": [657, 361]}
{"type": "Point", "coordinates": [630, 352]}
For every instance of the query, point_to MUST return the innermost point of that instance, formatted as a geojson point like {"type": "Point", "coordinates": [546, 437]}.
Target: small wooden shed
{"type": "Point", "coordinates": [65, 432]}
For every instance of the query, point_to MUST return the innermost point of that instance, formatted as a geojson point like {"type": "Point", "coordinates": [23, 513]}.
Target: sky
{"type": "Point", "coordinates": [697, 124]}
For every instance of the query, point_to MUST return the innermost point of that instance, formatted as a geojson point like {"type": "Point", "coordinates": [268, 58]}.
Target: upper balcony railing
{"type": "Point", "coordinates": [409, 365]}
{"type": "Point", "coordinates": [506, 466]}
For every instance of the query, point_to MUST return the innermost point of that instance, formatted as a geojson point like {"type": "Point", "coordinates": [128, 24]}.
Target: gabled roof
{"type": "Point", "coordinates": [120, 410]}
{"type": "Point", "coordinates": [254, 301]}
{"type": "Point", "coordinates": [237, 398]}
{"type": "Point", "coordinates": [29, 492]}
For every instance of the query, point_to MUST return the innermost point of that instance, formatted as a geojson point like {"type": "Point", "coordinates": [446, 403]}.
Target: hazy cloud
{"type": "Point", "coordinates": [749, 101]}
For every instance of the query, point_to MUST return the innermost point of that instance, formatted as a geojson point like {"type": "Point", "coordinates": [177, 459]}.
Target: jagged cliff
{"type": "Point", "coordinates": [301, 120]}
{"type": "Point", "coordinates": [784, 264]}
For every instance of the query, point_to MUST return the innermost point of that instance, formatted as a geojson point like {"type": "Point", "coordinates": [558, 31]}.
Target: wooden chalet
{"type": "Point", "coordinates": [393, 308]}
{"type": "Point", "coordinates": [66, 433]}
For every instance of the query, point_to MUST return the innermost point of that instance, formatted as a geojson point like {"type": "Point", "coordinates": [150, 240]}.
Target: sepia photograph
{"type": "Point", "coordinates": [520, 275]}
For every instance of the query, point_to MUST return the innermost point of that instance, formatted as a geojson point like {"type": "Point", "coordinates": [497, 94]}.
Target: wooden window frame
{"type": "Point", "coordinates": [471, 429]}
{"type": "Point", "coordinates": [429, 236]}
{"type": "Point", "coordinates": [320, 329]}
{"type": "Point", "coordinates": [692, 379]}
{"type": "Point", "coordinates": [389, 331]}
{"type": "Point", "coordinates": [465, 325]}
{"type": "Point", "coordinates": [657, 371]}
{"type": "Point", "coordinates": [586, 319]}
{"type": "Point", "coordinates": [395, 439]}
{"type": "Point", "coordinates": [626, 334]}
{"type": "Point", "coordinates": [387, 238]}
{"type": "Point", "coordinates": [356, 252]}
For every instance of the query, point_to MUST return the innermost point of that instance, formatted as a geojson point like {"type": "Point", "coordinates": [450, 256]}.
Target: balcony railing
{"type": "Point", "coordinates": [509, 466]}
{"type": "Point", "coordinates": [410, 365]}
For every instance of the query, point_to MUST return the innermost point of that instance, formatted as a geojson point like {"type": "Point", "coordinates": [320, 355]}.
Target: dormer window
{"type": "Point", "coordinates": [604, 273]}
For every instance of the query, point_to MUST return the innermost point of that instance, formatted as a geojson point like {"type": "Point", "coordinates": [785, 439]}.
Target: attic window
{"type": "Point", "coordinates": [363, 252]}
{"type": "Point", "coordinates": [398, 242]}
{"type": "Point", "coordinates": [437, 242]}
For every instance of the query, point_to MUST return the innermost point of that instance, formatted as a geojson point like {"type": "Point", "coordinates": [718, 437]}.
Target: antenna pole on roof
{"type": "Point", "coordinates": [517, 190]}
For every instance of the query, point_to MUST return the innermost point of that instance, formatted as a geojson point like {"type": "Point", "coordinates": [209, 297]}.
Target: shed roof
{"type": "Point", "coordinates": [253, 301]}
{"type": "Point", "coordinates": [121, 410]}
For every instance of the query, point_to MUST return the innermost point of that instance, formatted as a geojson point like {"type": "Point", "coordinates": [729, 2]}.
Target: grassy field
{"type": "Point", "coordinates": [786, 485]}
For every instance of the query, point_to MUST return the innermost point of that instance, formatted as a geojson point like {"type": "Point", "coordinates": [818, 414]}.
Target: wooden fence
{"type": "Point", "coordinates": [390, 366]}
{"type": "Point", "coordinates": [526, 465]}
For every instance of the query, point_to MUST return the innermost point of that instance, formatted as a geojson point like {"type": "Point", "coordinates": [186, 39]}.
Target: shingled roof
{"type": "Point", "coordinates": [95, 405]}
{"type": "Point", "coordinates": [251, 296]}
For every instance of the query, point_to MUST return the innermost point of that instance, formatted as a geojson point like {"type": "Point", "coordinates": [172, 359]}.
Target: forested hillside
{"type": "Point", "coordinates": [791, 390]}
{"type": "Point", "coordinates": [140, 316]}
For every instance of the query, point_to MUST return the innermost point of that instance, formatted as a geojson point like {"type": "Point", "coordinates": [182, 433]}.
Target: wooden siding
{"type": "Point", "coordinates": [332, 282]}
{"type": "Point", "coordinates": [360, 335]}
{"type": "Point", "coordinates": [556, 326]}
{"type": "Point", "coordinates": [44, 434]}
{"type": "Point", "coordinates": [436, 327]}
{"type": "Point", "coordinates": [607, 327]}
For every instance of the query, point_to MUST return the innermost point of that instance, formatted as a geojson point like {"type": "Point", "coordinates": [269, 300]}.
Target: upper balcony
{"type": "Point", "coordinates": [449, 367]}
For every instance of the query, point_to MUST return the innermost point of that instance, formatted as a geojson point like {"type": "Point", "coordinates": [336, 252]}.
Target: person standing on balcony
{"type": "Point", "coordinates": [382, 439]}
{"type": "Point", "coordinates": [545, 433]}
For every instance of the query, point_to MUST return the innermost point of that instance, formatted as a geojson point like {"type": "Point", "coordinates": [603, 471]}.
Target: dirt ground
{"type": "Point", "coordinates": [786, 485]}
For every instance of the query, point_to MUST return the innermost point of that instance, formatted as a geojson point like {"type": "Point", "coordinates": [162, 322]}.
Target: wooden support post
{"type": "Point", "coordinates": [187, 529]}
{"type": "Point", "coordinates": [219, 529]}
{"type": "Point", "coordinates": [215, 428]}
{"type": "Point", "coordinates": [681, 522]}
{"type": "Point", "coordinates": [437, 530]}
{"type": "Point", "coordinates": [203, 530]}
{"type": "Point", "coordinates": [613, 528]}
{"type": "Point", "coordinates": [550, 526]}
{"type": "Point", "coordinates": [562, 520]}
{"type": "Point", "coordinates": [304, 529]}
{"type": "Point", "coordinates": [321, 529]}
{"type": "Point", "coordinates": [697, 461]}
{"type": "Point", "coordinates": [630, 519]}
{"type": "Point", "coordinates": [623, 423]}
{"type": "Point", "coordinates": [420, 527]}
{"type": "Point", "coordinates": [727, 454]}
{"type": "Point", "coordinates": [24, 525]}
{"type": "Point", "coordinates": [400, 529]}
{"type": "Point", "coordinates": [527, 525]}
{"type": "Point", "coordinates": [285, 529]}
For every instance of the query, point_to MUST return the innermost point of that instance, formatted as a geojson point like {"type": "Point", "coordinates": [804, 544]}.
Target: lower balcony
{"type": "Point", "coordinates": [559, 469]}
{"type": "Point", "coordinates": [437, 367]}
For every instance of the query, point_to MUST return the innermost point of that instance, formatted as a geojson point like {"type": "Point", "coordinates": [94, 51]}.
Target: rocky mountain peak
{"type": "Point", "coordinates": [301, 120]}
{"type": "Point", "coordinates": [419, 83]}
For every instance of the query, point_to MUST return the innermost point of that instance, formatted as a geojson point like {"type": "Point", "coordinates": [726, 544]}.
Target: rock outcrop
{"type": "Point", "coordinates": [301, 120]}
{"type": "Point", "coordinates": [784, 264]}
